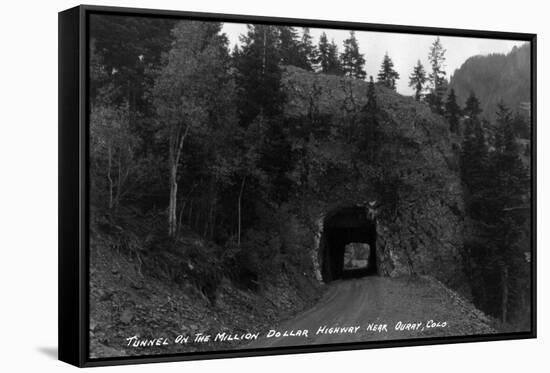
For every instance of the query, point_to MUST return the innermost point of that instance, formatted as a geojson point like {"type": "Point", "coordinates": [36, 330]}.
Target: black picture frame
{"type": "Point", "coordinates": [74, 188]}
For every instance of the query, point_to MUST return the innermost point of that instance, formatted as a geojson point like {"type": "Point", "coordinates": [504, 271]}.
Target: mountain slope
{"type": "Point", "coordinates": [144, 286]}
{"type": "Point", "coordinates": [495, 77]}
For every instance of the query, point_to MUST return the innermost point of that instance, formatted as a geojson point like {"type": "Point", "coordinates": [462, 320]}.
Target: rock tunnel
{"type": "Point", "coordinates": [346, 232]}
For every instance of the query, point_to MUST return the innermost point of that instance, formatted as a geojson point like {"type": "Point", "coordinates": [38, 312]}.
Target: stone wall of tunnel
{"type": "Point", "coordinates": [341, 227]}
{"type": "Point", "coordinates": [370, 228]}
{"type": "Point", "coordinates": [422, 237]}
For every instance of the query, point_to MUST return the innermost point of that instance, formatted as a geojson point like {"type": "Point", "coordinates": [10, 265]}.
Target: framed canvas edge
{"type": "Point", "coordinates": [345, 25]}
{"type": "Point", "coordinates": [71, 188]}
{"type": "Point", "coordinates": [73, 270]}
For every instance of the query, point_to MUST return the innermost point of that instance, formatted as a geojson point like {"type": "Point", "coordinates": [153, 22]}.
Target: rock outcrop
{"type": "Point", "coordinates": [420, 224]}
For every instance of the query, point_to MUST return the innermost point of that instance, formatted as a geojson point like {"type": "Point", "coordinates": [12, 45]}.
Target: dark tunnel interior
{"type": "Point", "coordinates": [343, 227]}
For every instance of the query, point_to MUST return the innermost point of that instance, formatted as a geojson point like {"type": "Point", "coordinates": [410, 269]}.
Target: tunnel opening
{"type": "Point", "coordinates": [348, 244]}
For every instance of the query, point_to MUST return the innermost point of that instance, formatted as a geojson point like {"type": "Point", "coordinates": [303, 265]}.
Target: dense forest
{"type": "Point", "coordinates": [210, 162]}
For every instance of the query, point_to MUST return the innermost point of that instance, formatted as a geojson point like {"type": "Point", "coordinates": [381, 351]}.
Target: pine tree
{"type": "Point", "coordinates": [371, 137]}
{"type": "Point", "coordinates": [452, 112]}
{"type": "Point", "coordinates": [497, 185]}
{"type": "Point", "coordinates": [308, 50]}
{"type": "Point", "coordinates": [289, 47]}
{"type": "Point", "coordinates": [235, 53]}
{"type": "Point", "coordinates": [323, 56]}
{"type": "Point", "coordinates": [503, 117]}
{"type": "Point", "coordinates": [371, 106]}
{"type": "Point", "coordinates": [296, 51]}
{"type": "Point", "coordinates": [474, 151]}
{"type": "Point", "coordinates": [334, 65]}
{"type": "Point", "coordinates": [521, 125]}
{"type": "Point", "coordinates": [508, 197]}
{"type": "Point", "coordinates": [417, 80]}
{"type": "Point", "coordinates": [509, 164]}
{"type": "Point", "coordinates": [437, 79]}
{"type": "Point", "coordinates": [387, 75]}
{"type": "Point", "coordinates": [472, 108]}
{"type": "Point", "coordinates": [353, 62]}
{"type": "Point", "coordinates": [327, 58]}
{"type": "Point", "coordinates": [259, 74]}
{"type": "Point", "coordinates": [120, 41]}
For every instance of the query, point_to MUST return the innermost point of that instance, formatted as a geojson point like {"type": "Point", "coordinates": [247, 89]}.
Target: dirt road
{"type": "Point", "coordinates": [379, 308]}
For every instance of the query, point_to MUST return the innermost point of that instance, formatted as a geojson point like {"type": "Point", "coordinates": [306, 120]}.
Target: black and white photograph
{"type": "Point", "coordinates": [274, 186]}
{"type": "Point", "coordinates": [257, 185]}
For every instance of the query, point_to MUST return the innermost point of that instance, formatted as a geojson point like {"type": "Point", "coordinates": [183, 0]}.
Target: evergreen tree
{"type": "Point", "coordinates": [334, 65]}
{"type": "Point", "coordinates": [497, 184]}
{"type": "Point", "coordinates": [260, 102]}
{"type": "Point", "coordinates": [371, 106]}
{"type": "Point", "coordinates": [128, 46]}
{"type": "Point", "coordinates": [509, 163]}
{"type": "Point", "coordinates": [352, 60]}
{"type": "Point", "coordinates": [259, 74]}
{"type": "Point", "coordinates": [452, 112]}
{"type": "Point", "coordinates": [327, 58]}
{"type": "Point", "coordinates": [387, 75]}
{"type": "Point", "coordinates": [417, 80]}
{"type": "Point", "coordinates": [296, 51]}
{"type": "Point", "coordinates": [521, 126]}
{"type": "Point", "coordinates": [503, 121]}
{"type": "Point", "coordinates": [437, 79]}
{"type": "Point", "coordinates": [474, 152]}
{"type": "Point", "coordinates": [289, 47]}
{"type": "Point", "coordinates": [507, 199]}
{"type": "Point", "coordinates": [323, 54]}
{"type": "Point", "coordinates": [308, 50]}
{"type": "Point", "coordinates": [472, 108]}
{"type": "Point", "coordinates": [474, 167]}
{"type": "Point", "coordinates": [371, 138]}
{"type": "Point", "coordinates": [235, 53]}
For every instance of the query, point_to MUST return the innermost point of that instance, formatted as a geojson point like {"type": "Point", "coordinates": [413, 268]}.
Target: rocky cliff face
{"type": "Point", "coordinates": [413, 196]}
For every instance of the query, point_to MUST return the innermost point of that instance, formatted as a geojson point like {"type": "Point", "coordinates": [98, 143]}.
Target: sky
{"type": "Point", "coordinates": [404, 49]}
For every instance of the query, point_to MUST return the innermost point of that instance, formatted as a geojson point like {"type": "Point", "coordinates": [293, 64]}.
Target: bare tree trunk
{"type": "Point", "coordinates": [198, 214]}
{"type": "Point", "coordinates": [190, 216]}
{"type": "Point", "coordinates": [504, 305]}
{"type": "Point", "coordinates": [212, 218]}
{"type": "Point", "coordinates": [205, 223]}
{"type": "Point", "coordinates": [119, 181]}
{"type": "Point", "coordinates": [109, 166]}
{"type": "Point", "coordinates": [176, 145]}
{"type": "Point", "coordinates": [182, 208]}
{"type": "Point", "coordinates": [239, 212]}
{"type": "Point", "coordinates": [172, 223]}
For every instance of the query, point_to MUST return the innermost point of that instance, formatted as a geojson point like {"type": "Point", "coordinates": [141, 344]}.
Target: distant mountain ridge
{"type": "Point", "coordinates": [495, 77]}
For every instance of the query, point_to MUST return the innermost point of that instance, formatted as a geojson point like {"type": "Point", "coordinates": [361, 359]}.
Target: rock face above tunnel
{"type": "Point", "coordinates": [419, 199]}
